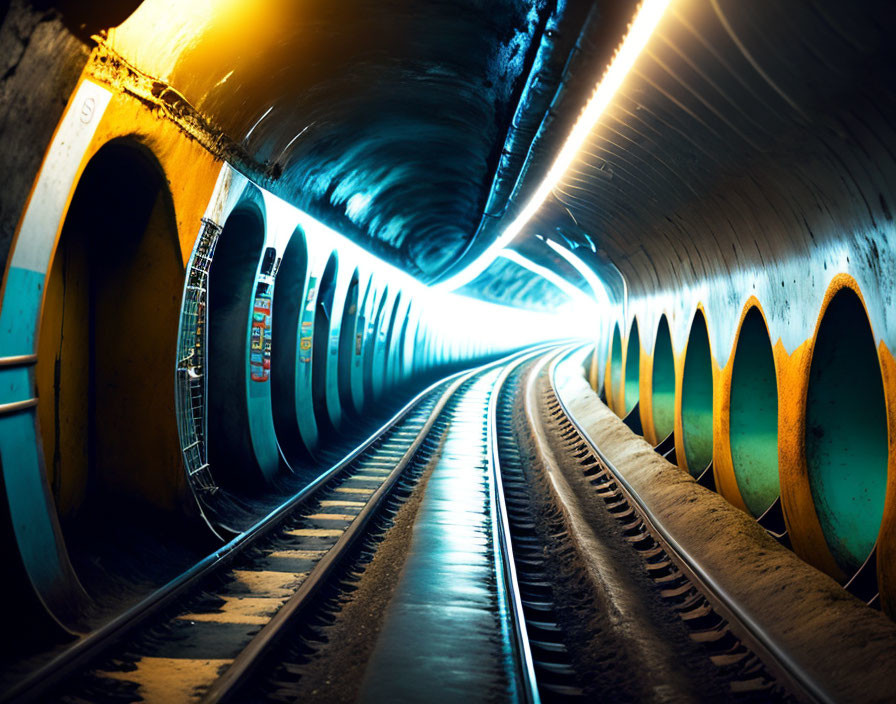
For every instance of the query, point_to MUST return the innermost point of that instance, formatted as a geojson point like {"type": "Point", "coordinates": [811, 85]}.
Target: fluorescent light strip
{"type": "Point", "coordinates": [646, 20]}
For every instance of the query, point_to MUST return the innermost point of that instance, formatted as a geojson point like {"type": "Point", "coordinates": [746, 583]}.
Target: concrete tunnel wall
{"type": "Point", "coordinates": [399, 339]}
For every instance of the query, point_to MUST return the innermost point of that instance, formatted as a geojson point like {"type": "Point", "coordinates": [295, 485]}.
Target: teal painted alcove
{"type": "Point", "coordinates": [696, 398]}
{"type": "Point", "coordinates": [663, 382]}
{"type": "Point", "coordinates": [616, 365]}
{"type": "Point", "coordinates": [632, 368]}
{"type": "Point", "coordinates": [846, 431]}
{"type": "Point", "coordinates": [754, 416]}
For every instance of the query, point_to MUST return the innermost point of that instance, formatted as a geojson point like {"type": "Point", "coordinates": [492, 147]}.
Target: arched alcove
{"type": "Point", "coordinates": [754, 415]}
{"type": "Point", "coordinates": [323, 311]}
{"type": "Point", "coordinates": [389, 349]}
{"type": "Point", "coordinates": [615, 369]}
{"type": "Point", "coordinates": [632, 368]}
{"type": "Point", "coordinates": [397, 376]}
{"type": "Point", "coordinates": [231, 289]}
{"type": "Point", "coordinates": [663, 381]}
{"type": "Point", "coordinates": [370, 354]}
{"type": "Point", "coordinates": [349, 344]}
{"type": "Point", "coordinates": [362, 343]}
{"type": "Point", "coordinates": [696, 397]}
{"type": "Point", "coordinates": [846, 431]}
{"type": "Point", "coordinates": [108, 342]}
{"type": "Point", "coordinates": [288, 303]}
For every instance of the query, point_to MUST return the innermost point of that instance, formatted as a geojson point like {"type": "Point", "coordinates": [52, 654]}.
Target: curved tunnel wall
{"type": "Point", "coordinates": [784, 250]}
{"type": "Point", "coordinates": [810, 426]}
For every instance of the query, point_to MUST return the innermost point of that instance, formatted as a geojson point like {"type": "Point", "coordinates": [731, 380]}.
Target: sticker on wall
{"type": "Point", "coordinates": [306, 340]}
{"type": "Point", "coordinates": [260, 336]}
{"type": "Point", "coordinates": [309, 299]}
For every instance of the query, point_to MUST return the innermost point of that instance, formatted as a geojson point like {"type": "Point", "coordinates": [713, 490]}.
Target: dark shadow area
{"type": "Point", "coordinates": [616, 370]}
{"type": "Point", "coordinates": [349, 347]}
{"type": "Point", "coordinates": [632, 368]}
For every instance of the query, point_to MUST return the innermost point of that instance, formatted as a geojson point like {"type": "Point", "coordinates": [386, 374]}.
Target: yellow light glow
{"type": "Point", "coordinates": [646, 20]}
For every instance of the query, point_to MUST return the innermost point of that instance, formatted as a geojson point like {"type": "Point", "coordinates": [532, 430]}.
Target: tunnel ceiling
{"type": "Point", "coordinates": [747, 134]}
{"type": "Point", "coordinates": [385, 119]}
{"type": "Point", "coordinates": [420, 128]}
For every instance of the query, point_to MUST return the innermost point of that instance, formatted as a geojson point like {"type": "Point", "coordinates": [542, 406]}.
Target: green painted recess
{"type": "Point", "coordinates": [696, 398]}
{"type": "Point", "coordinates": [632, 368]}
{"type": "Point", "coordinates": [754, 416]}
{"type": "Point", "coordinates": [663, 381]}
{"type": "Point", "coordinates": [846, 431]}
{"type": "Point", "coordinates": [616, 365]}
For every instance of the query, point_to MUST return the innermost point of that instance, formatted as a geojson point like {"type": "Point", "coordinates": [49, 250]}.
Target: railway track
{"type": "Point", "coordinates": [218, 616]}
{"type": "Point", "coordinates": [509, 585]}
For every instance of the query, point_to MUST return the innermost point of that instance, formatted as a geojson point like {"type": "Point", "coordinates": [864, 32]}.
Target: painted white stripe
{"type": "Point", "coordinates": [47, 205]}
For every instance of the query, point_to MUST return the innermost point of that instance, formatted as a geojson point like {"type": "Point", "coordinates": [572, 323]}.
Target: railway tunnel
{"type": "Point", "coordinates": [517, 350]}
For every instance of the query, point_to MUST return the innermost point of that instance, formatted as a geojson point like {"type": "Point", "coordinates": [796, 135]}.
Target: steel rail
{"type": "Point", "coordinates": [505, 567]}
{"type": "Point", "coordinates": [789, 672]}
{"type": "Point", "coordinates": [88, 646]}
{"type": "Point", "coordinates": [228, 685]}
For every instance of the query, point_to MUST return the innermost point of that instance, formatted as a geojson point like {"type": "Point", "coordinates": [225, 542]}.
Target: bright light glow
{"type": "Point", "coordinates": [571, 291]}
{"type": "Point", "coordinates": [593, 280]}
{"type": "Point", "coordinates": [643, 26]}
{"type": "Point", "coordinates": [462, 320]}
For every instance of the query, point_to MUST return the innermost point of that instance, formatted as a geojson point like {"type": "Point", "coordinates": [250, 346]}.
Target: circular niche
{"type": "Point", "coordinates": [846, 431]}
{"type": "Point", "coordinates": [632, 368]}
{"type": "Point", "coordinates": [696, 398]}
{"type": "Point", "coordinates": [754, 416]}
{"type": "Point", "coordinates": [615, 367]}
{"type": "Point", "coordinates": [663, 382]}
